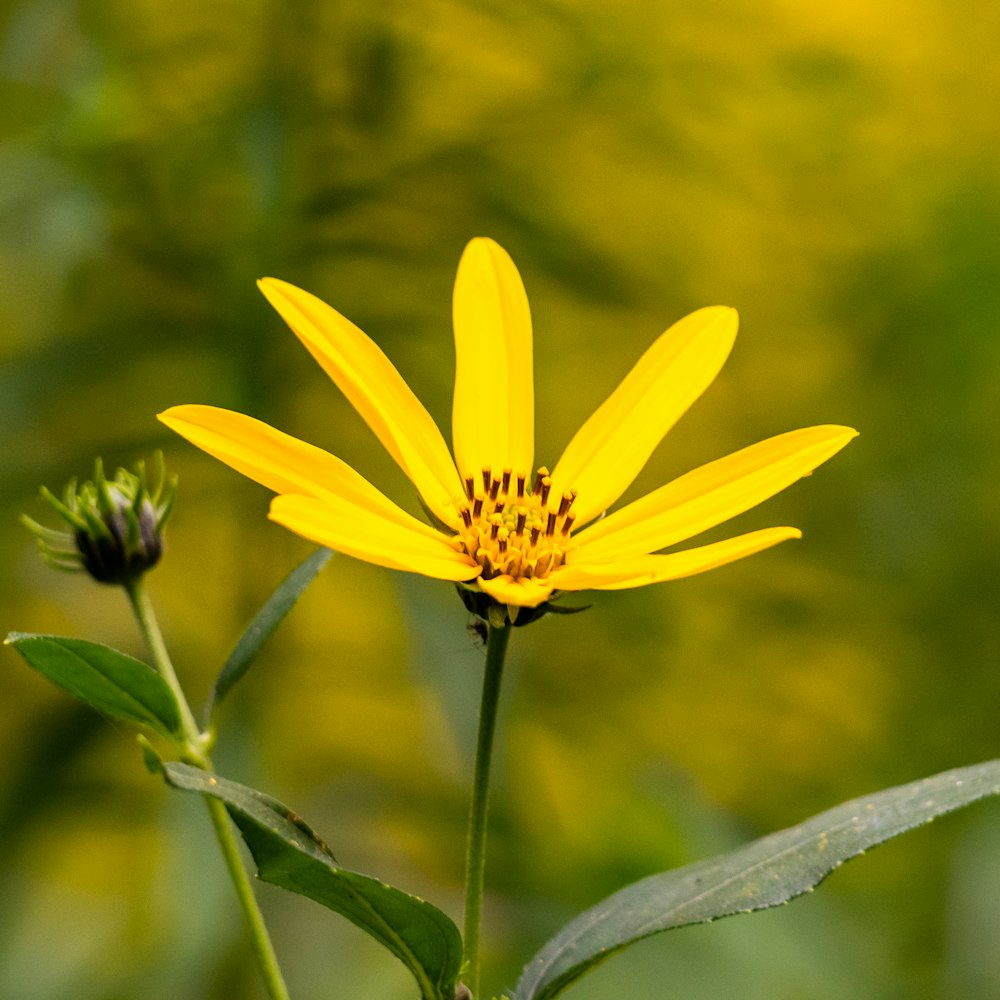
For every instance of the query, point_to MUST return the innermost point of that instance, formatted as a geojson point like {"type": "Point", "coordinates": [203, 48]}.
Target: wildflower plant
{"type": "Point", "coordinates": [513, 538]}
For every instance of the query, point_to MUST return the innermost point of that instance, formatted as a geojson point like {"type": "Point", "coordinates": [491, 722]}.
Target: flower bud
{"type": "Point", "coordinates": [116, 526]}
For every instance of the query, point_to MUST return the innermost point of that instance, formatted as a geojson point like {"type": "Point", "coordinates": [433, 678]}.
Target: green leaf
{"type": "Point", "coordinates": [109, 681]}
{"type": "Point", "coordinates": [289, 854]}
{"type": "Point", "coordinates": [265, 622]}
{"type": "Point", "coordinates": [761, 874]}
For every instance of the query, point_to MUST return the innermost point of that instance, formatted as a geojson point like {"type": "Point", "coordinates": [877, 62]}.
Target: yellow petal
{"type": "Point", "coordinates": [278, 461]}
{"type": "Point", "coordinates": [639, 571]}
{"type": "Point", "coordinates": [361, 533]}
{"type": "Point", "coordinates": [519, 593]}
{"type": "Point", "coordinates": [376, 390]}
{"type": "Point", "coordinates": [709, 495]}
{"type": "Point", "coordinates": [493, 418]}
{"type": "Point", "coordinates": [611, 448]}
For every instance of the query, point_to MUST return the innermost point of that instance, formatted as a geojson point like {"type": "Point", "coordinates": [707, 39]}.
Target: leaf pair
{"type": "Point", "coordinates": [759, 875]}
{"type": "Point", "coordinates": [124, 688]}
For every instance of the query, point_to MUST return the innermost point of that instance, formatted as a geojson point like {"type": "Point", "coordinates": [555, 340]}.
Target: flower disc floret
{"type": "Point", "coordinates": [509, 527]}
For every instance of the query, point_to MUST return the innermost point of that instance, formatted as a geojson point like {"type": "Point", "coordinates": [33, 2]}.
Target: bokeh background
{"type": "Point", "coordinates": [829, 169]}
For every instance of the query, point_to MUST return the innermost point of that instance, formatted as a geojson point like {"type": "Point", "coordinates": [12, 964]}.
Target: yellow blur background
{"type": "Point", "coordinates": [829, 169]}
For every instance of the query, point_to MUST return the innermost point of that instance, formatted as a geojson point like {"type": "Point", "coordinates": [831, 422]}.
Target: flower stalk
{"type": "Point", "coordinates": [195, 751]}
{"type": "Point", "coordinates": [142, 608]}
{"type": "Point", "coordinates": [475, 858]}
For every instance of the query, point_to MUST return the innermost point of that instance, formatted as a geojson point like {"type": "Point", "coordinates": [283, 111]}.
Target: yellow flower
{"type": "Point", "coordinates": [519, 536]}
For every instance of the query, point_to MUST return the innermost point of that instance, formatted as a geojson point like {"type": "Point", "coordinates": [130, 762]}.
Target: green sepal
{"type": "Point", "coordinates": [263, 626]}
{"type": "Point", "coordinates": [290, 855]}
{"type": "Point", "coordinates": [762, 874]}
{"type": "Point", "coordinates": [498, 615]}
{"type": "Point", "coordinates": [113, 683]}
{"type": "Point", "coordinates": [560, 609]}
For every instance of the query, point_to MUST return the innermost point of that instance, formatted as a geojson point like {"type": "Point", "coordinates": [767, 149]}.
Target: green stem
{"type": "Point", "coordinates": [260, 940]}
{"type": "Point", "coordinates": [194, 747]}
{"type": "Point", "coordinates": [475, 857]}
{"type": "Point", "coordinates": [194, 744]}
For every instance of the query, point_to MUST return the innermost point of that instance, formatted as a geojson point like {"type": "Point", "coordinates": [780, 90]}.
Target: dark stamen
{"type": "Point", "coordinates": [540, 475]}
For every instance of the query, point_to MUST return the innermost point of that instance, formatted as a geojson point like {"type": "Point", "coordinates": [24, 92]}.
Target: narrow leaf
{"type": "Point", "coordinates": [265, 622]}
{"type": "Point", "coordinates": [759, 875]}
{"type": "Point", "coordinates": [109, 681]}
{"type": "Point", "coordinates": [289, 854]}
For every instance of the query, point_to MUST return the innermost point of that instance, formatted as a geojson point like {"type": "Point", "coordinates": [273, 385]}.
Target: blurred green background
{"type": "Point", "coordinates": [830, 170]}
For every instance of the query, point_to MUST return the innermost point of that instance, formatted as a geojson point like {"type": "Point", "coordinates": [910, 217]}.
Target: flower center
{"type": "Point", "coordinates": [511, 529]}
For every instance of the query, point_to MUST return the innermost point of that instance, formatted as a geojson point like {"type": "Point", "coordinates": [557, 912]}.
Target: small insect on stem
{"type": "Point", "coordinates": [477, 632]}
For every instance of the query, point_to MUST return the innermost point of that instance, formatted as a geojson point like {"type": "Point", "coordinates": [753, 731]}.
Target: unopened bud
{"type": "Point", "coordinates": [116, 526]}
